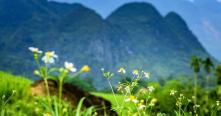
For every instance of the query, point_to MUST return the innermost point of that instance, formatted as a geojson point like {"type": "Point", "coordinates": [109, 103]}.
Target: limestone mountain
{"type": "Point", "coordinates": [136, 35]}
{"type": "Point", "coordinates": [163, 45]}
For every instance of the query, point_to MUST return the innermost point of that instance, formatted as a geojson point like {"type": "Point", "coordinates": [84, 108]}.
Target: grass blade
{"type": "Point", "coordinates": [79, 106]}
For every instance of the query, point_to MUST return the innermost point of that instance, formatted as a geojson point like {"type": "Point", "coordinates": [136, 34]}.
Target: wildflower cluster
{"type": "Point", "coordinates": [44, 71]}
{"type": "Point", "coordinates": [181, 102]}
{"type": "Point", "coordinates": [141, 99]}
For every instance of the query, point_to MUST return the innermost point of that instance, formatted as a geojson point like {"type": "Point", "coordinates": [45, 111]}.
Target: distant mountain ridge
{"type": "Point", "coordinates": [133, 36]}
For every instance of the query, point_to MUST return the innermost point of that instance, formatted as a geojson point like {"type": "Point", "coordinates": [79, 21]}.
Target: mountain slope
{"type": "Point", "coordinates": [180, 28]}
{"type": "Point", "coordinates": [165, 43]}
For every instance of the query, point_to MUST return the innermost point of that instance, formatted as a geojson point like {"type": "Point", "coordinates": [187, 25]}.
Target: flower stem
{"type": "Point", "coordinates": [207, 89]}
{"type": "Point", "coordinates": [137, 110]}
{"type": "Point", "coordinates": [46, 81]}
{"type": "Point", "coordinates": [45, 77]}
{"type": "Point", "coordinates": [60, 96]}
{"type": "Point", "coordinates": [113, 92]}
{"type": "Point", "coordinates": [60, 91]}
{"type": "Point", "coordinates": [195, 88]}
{"type": "Point", "coordinates": [47, 87]}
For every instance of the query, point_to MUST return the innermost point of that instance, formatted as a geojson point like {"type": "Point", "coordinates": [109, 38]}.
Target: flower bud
{"type": "Point", "coordinates": [85, 69]}
{"type": "Point", "coordinates": [36, 72]}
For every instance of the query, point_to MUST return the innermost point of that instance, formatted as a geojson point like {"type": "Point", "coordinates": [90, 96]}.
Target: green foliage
{"type": "Point", "coordinates": [120, 99]}
{"type": "Point", "coordinates": [174, 97]}
{"type": "Point", "coordinates": [218, 77]}
{"type": "Point", "coordinates": [195, 64]}
{"type": "Point", "coordinates": [79, 107]}
{"type": "Point", "coordinates": [218, 74]}
{"type": "Point", "coordinates": [208, 65]}
{"type": "Point", "coordinates": [166, 101]}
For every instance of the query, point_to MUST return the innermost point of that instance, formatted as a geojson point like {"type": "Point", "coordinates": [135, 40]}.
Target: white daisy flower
{"type": "Point", "coordinates": [131, 99]}
{"type": "Point", "coordinates": [49, 57]}
{"type": "Point", "coordinates": [173, 92]}
{"type": "Point", "coordinates": [122, 70]}
{"type": "Point", "coordinates": [35, 50]}
{"type": "Point", "coordinates": [70, 66]}
{"type": "Point", "coordinates": [146, 74]}
{"type": "Point", "coordinates": [151, 88]}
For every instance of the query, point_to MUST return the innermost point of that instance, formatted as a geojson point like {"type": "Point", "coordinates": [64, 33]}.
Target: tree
{"type": "Point", "coordinates": [195, 65]}
{"type": "Point", "coordinates": [208, 65]}
{"type": "Point", "coordinates": [218, 76]}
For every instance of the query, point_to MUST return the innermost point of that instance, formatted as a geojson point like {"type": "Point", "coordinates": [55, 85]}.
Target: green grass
{"type": "Point", "coordinates": [109, 97]}
{"type": "Point", "coordinates": [9, 83]}
{"type": "Point", "coordinates": [15, 95]}
{"type": "Point", "coordinates": [120, 100]}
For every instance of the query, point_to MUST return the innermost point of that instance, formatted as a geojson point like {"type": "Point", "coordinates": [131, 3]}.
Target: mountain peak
{"type": "Point", "coordinates": [79, 13]}
{"type": "Point", "coordinates": [136, 9]}
{"type": "Point", "coordinates": [179, 26]}
{"type": "Point", "coordinates": [175, 19]}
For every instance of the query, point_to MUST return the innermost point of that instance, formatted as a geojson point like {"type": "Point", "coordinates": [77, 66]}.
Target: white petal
{"type": "Point", "coordinates": [127, 100]}
{"type": "Point", "coordinates": [73, 70]}
{"type": "Point", "coordinates": [31, 48]}
{"type": "Point", "coordinates": [44, 59]}
{"type": "Point", "coordinates": [51, 60]}
{"type": "Point", "coordinates": [55, 56]}
{"type": "Point", "coordinates": [40, 52]}
{"type": "Point", "coordinates": [135, 101]}
{"type": "Point", "coordinates": [65, 64]}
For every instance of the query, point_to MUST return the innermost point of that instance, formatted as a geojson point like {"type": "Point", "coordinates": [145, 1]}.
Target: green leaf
{"type": "Point", "coordinates": [53, 70]}
{"type": "Point", "coordinates": [54, 78]}
{"type": "Point", "coordinates": [89, 111]}
{"type": "Point", "coordinates": [79, 106]}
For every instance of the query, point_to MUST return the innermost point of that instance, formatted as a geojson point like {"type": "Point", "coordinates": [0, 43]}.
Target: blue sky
{"type": "Point", "coordinates": [202, 16]}
{"type": "Point", "coordinates": [105, 7]}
